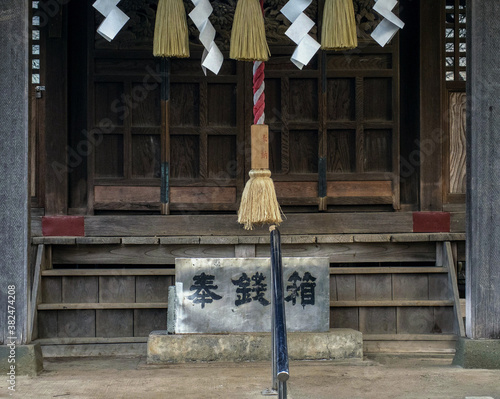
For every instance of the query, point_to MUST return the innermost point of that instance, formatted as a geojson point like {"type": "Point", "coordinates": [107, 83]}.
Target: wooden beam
{"type": "Point", "coordinates": [202, 225]}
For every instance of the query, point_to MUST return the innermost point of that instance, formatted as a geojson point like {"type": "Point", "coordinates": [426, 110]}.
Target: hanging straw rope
{"type": "Point", "coordinates": [248, 35]}
{"type": "Point", "coordinates": [171, 37]}
{"type": "Point", "coordinates": [339, 26]}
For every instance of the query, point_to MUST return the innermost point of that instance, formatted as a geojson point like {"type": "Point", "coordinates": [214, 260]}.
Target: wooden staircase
{"type": "Point", "coordinates": [108, 308]}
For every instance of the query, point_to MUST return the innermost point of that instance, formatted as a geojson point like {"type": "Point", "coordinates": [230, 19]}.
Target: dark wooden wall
{"type": "Point", "coordinates": [341, 111]}
{"type": "Point", "coordinates": [355, 120]}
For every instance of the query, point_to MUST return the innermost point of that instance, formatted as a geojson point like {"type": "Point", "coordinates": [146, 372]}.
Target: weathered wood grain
{"type": "Point", "coordinates": [373, 287]}
{"type": "Point", "coordinates": [97, 240]}
{"type": "Point", "coordinates": [360, 252]}
{"type": "Point", "coordinates": [377, 320]}
{"type": "Point", "coordinates": [346, 288]}
{"type": "Point", "coordinates": [109, 272]}
{"type": "Point", "coordinates": [388, 270]}
{"type": "Point", "coordinates": [51, 289]}
{"type": "Point", "coordinates": [76, 323]}
{"type": "Point", "coordinates": [114, 323]}
{"type": "Point", "coordinates": [359, 188]}
{"type": "Point", "coordinates": [92, 350]}
{"type": "Point", "coordinates": [140, 240]}
{"type": "Point", "coordinates": [244, 251]}
{"type": "Point", "coordinates": [296, 189]}
{"type": "Point", "coordinates": [457, 222]}
{"type": "Point", "coordinates": [444, 320]}
{"type": "Point", "coordinates": [138, 254]}
{"type": "Point", "coordinates": [36, 227]}
{"type": "Point", "coordinates": [438, 286]}
{"type": "Point", "coordinates": [47, 324]}
{"type": "Point", "coordinates": [449, 263]}
{"type": "Point", "coordinates": [90, 340]}
{"type": "Point", "coordinates": [372, 238]}
{"type": "Point", "coordinates": [415, 320]}
{"type": "Point", "coordinates": [80, 289]}
{"type": "Point", "coordinates": [333, 288]}
{"type": "Point", "coordinates": [410, 286]}
{"type": "Point", "coordinates": [344, 318]}
{"type": "Point", "coordinates": [147, 320]}
{"type": "Point", "coordinates": [185, 225]}
{"type": "Point", "coordinates": [457, 151]}
{"type": "Point", "coordinates": [390, 303]}
{"type": "Point", "coordinates": [108, 305]}
{"type": "Point", "coordinates": [446, 347]}
{"type": "Point", "coordinates": [341, 155]}
{"type": "Point", "coordinates": [152, 289]}
{"type": "Point", "coordinates": [364, 61]}
{"type": "Point", "coordinates": [117, 289]}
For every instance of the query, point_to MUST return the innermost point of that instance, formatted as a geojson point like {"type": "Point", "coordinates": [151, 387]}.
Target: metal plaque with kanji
{"type": "Point", "coordinates": [234, 295]}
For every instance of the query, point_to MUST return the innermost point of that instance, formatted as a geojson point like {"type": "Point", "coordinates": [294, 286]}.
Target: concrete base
{"type": "Point", "coordinates": [243, 347]}
{"type": "Point", "coordinates": [29, 359]}
{"type": "Point", "coordinates": [478, 354]}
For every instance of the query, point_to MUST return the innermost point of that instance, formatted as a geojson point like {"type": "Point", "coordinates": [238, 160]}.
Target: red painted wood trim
{"type": "Point", "coordinates": [431, 222]}
{"type": "Point", "coordinates": [73, 226]}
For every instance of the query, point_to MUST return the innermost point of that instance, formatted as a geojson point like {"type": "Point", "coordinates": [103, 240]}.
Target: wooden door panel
{"type": "Point", "coordinates": [334, 126]}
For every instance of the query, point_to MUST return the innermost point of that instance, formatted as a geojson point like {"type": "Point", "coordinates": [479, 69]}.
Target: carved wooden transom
{"type": "Point", "coordinates": [139, 31]}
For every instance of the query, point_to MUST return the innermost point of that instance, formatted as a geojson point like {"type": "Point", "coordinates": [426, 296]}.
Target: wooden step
{"type": "Point", "coordinates": [90, 340]}
{"type": "Point", "coordinates": [397, 303]}
{"type": "Point", "coordinates": [107, 272]}
{"type": "Point", "coordinates": [387, 270]}
{"type": "Point", "coordinates": [409, 343]}
{"type": "Point", "coordinates": [72, 306]}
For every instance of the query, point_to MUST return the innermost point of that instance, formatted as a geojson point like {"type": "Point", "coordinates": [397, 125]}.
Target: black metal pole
{"type": "Point", "coordinates": [280, 339]}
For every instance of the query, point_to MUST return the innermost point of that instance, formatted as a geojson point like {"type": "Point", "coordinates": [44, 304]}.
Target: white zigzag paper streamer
{"type": "Point", "coordinates": [212, 57]}
{"type": "Point", "coordinates": [298, 31]}
{"type": "Point", "coordinates": [390, 25]}
{"type": "Point", "coordinates": [115, 19]}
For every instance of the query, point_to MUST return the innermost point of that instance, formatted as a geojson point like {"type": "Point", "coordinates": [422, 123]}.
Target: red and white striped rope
{"type": "Point", "coordinates": [259, 97]}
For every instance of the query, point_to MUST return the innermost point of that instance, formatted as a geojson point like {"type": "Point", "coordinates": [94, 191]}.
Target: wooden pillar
{"type": "Point", "coordinates": [14, 194]}
{"type": "Point", "coordinates": [431, 115]}
{"type": "Point", "coordinates": [481, 348]}
{"type": "Point", "coordinates": [59, 163]}
{"type": "Point", "coordinates": [483, 170]}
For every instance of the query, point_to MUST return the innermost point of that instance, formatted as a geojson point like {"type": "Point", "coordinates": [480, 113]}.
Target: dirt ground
{"type": "Point", "coordinates": [374, 378]}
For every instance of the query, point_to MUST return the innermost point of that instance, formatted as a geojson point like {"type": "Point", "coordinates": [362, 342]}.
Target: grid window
{"type": "Point", "coordinates": [455, 33]}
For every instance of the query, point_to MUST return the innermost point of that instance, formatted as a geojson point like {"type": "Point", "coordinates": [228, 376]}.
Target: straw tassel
{"type": "Point", "coordinates": [248, 35]}
{"type": "Point", "coordinates": [339, 26]}
{"type": "Point", "coordinates": [171, 38]}
{"type": "Point", "coordinates": [259, 204]}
